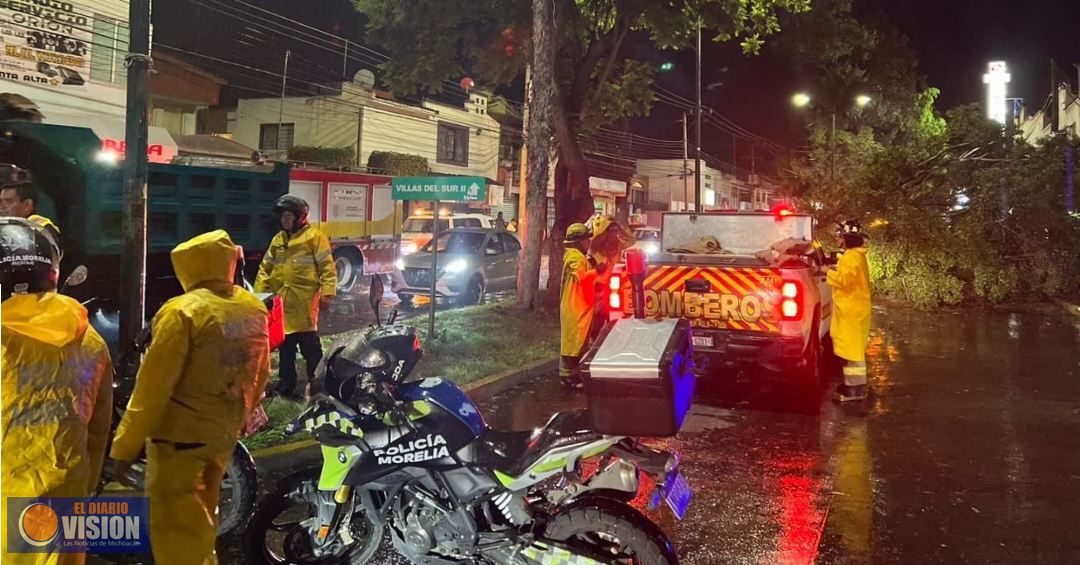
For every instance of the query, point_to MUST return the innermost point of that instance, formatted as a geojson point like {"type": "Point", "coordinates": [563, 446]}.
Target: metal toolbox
{"type": "Point", "coordinates": [639, 377]}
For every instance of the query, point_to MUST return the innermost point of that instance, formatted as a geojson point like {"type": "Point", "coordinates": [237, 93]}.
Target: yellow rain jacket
{"type": "Point", "coordinates": [50, 228]}
{"type": "Point", "coordinates": [203, 374]}
{"type": "Point", "coordinates": [850, 326]}
{"type": "Point", "coordinates": [576, 302]}
{"type": "Point", "coordinates": [57, 404]}
{"type": "Point", "coordinates": [299, 268]}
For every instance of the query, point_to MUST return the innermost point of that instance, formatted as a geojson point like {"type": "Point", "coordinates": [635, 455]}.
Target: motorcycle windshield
{"type": "Point", "coordinates": [359, 356]}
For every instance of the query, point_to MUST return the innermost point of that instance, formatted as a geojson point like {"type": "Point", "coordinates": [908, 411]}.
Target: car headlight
{"type": "Point", "coordinates": [408, 248]}
{"type": "Point", "coordinates": [456, 266]}
{"type": "Point", "coordinates": [652, 249]}
{"type": "Point", "coordinates": [400, 264]}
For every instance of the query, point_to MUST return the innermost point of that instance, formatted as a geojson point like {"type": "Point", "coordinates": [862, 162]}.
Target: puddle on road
{"type": "Point", "coordinates": [704, 418]}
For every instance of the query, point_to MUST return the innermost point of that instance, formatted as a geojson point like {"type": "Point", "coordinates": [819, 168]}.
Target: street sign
{"type": "Point", "coordinates": [470, 189]}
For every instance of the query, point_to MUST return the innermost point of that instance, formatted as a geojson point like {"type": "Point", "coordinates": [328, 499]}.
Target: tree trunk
{"type": "Point", "coordinates": [542, 98]}
{"type": "Point", "coordinates": [573, 202]}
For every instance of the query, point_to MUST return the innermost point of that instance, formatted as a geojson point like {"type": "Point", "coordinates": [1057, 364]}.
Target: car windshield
{"type": "Point", "coordinates": [423, 225]}
{"type": "Point", "coordinates": [458, 242]}
{"type": "Point", "coordinates": [647, 235]}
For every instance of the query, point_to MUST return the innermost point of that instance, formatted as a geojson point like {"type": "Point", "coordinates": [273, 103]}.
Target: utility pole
{"type": "Point", "coordinates": [1054, 108]}
{"type": "Point", "coordinates": [734, 156]}
{"type": "Point", "coordinates": [133, 256]}
{"type": "Point", "coordinates": [345, 63]}
{"type": "Point", "coordinates": [685, 164]}
{"type": "Point", "coordinates": [697, 126]}
{"type": "Point", "coordinates": [281, 102]}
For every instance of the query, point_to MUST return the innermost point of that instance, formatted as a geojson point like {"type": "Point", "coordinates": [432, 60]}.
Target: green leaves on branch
{"type": "Point", "coordinates": [398, 164]}
{"type": "Point", "coordinates": [627, 95]}
{"type": "Point", "coordinates": [329, 157]}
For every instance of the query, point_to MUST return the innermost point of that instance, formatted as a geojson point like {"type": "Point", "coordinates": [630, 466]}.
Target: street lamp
{"type": "Point", "coordinates": [802, 99]}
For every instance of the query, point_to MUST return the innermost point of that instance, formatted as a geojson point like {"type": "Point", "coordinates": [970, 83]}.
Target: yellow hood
{"type": "Point", "coordinates": [210, 257]}
{"type": "Point", "coordinates": [47, 317]}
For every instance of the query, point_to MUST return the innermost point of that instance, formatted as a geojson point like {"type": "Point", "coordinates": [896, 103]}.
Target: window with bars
{"type": "Point", "coordinates": [453, 145]}
{"type": "Point", "coordinates": [110, 46]}
{"type": "Point", "coordinates": [276, 137]}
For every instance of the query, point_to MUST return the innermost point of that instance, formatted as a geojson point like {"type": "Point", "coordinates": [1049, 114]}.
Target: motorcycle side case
{"type": "Point", "coordinates": [639, 377]}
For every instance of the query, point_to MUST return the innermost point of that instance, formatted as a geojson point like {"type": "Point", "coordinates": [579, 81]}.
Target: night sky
{"type": "Point", "coordinates": [954, 40]}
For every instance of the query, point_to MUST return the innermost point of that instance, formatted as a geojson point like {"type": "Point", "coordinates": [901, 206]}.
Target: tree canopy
{"type": "Point", "coordinates": [957, 208]}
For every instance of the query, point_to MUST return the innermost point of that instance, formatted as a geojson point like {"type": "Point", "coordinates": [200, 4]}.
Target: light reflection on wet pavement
{"type": "Point", "coordinates": [966, 452]}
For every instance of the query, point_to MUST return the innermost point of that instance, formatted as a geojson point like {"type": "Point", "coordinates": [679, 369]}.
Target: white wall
{"type": "Point", "coordinates": [666, 184]}
{"type": "Point", "coordinates": [333, 121]}
{"type": "Point", "coordinates": [69, 103]}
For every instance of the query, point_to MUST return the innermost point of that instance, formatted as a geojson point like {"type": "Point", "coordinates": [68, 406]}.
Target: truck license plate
{"type": "Point", "coordinates": [703, 341]}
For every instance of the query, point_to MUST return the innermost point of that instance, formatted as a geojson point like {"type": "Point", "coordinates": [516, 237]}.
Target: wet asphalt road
{"type": "Point", "coordinates": [965, 453]}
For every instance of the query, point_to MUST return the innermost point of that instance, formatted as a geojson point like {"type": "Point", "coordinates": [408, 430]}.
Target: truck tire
{"type": "Point", "coordinates": [349, 263]}
{"type": "Point", "coordinates": [805, 386]}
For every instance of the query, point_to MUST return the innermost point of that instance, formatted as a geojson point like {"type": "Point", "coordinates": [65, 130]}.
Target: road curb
{"type": "Point", "coordinates": [477, 390]}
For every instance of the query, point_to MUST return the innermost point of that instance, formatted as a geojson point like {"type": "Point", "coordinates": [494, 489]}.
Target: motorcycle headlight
{"type": "Point", "coordinates": [651, 249]}
{"type": "Point", "coordinates": [408, 248]}
{"type": "Point", "coordinates": [400, 264]}
{"type": "Point", "coordinates": [456, 266]}
{"type": "Point", "coordinates": [374, 359]}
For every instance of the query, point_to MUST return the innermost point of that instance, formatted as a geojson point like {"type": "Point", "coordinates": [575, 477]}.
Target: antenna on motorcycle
{"type": "Point", "coordinates": [375, 294]}
{"type": "Point", "coordinates": [77, 277]}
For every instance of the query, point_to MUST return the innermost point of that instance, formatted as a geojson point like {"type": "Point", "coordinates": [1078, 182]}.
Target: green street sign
{"type": "Point", "coordinates": [440, 188]}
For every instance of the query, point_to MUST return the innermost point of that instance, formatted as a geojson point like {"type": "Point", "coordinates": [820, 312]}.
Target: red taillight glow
{"type": "Point", "coordinates": [791, 302]}
{"type": "Point", "coordinates": [614, 297]}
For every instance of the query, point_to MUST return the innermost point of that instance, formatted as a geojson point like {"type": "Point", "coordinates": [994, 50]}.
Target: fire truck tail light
{"type": "Point", "coordinates": [791, 303]}
{"type": "Point", "coordinates": [614, 297]}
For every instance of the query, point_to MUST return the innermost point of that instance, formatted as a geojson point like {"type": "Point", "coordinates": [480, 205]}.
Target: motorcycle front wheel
{"type": "Point", "coordinates": [613, 531]}
{"type": "Point", "coordinates": [281, 529]}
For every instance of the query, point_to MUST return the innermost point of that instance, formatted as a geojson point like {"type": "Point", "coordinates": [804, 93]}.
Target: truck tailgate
{"type": "Point", "coordinates": [714, 297]}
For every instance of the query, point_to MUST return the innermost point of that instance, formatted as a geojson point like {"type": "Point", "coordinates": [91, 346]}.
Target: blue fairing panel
{"type": "Point", "coordinates": [449, 397]}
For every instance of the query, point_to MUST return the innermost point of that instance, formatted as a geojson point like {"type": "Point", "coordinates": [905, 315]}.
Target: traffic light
{"type": "Point", "coordinates": [666, 66]}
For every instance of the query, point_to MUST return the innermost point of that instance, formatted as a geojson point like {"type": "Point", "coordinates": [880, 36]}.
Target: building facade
{"type": "Point", "coordinates": [454, 140]}
{"type": "Point", "coordinates": [67, 57]}
{"type": "Point", "coordinates": [181, 96]}
{"type": "Point", "coordinates": [1040, 125]}
{"type": "Point", "coordinates": [670, 189]}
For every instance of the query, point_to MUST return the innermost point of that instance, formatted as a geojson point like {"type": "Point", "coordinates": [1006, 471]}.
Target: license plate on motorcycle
{"type": "Point", "coordinates": [677, 494]}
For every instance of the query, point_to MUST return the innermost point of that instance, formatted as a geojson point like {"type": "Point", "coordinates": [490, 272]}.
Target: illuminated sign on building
{"type": "Point", "coordinates": [996, 79]}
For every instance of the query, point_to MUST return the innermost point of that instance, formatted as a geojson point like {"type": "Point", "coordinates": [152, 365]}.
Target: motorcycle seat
{"type": "Point", "coordinates": [513, 453]}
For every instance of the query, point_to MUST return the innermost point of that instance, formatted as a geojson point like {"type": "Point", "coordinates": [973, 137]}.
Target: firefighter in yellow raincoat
{"type": "Point", "coordinates": [609, 240]}
{"type": "Point", "coordinates": [299, 267]}
{"type": "Point", "coordinates": [850, 326]}
{"type": "Point", "coordinates": [57, 383]}
{"type": "Point", "coordinates": [576, 303]}
{"type": "Point", "coordinates": [203, 374]}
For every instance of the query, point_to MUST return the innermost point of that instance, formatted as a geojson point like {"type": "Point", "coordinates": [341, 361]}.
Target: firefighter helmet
{"type": "Point", "coordinates": [577, 232]}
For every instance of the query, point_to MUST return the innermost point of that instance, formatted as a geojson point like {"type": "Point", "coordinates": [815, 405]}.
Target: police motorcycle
{"type": "Point", "coordinates": [415, 459]}
{"type": "Point", "coordinates": [239, 486]}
